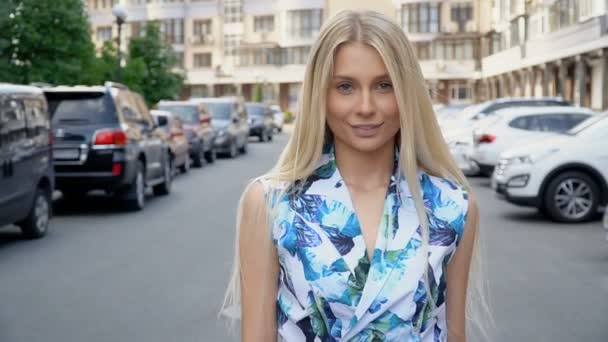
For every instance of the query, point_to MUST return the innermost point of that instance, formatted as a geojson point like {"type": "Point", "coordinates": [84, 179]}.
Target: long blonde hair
{"type": "Point", "coordinates": [421, 143]}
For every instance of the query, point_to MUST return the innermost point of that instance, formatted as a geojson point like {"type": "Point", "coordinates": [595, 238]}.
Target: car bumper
{"type": "Point", "coordinates": [222, 143]}
{"type": "Point", "coordinates": [256, 130]}
{"type": "Point", "coordinates": [515, 186]}
{"type": "Point", "coordinates": [464, 161]}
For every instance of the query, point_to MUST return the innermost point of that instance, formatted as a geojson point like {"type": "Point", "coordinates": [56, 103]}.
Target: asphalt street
{"type": "Point", "coordinates": [102, 274]}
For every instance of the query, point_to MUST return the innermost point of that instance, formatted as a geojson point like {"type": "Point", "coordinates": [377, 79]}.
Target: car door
{"type": "Point", "coordinates": [13, 193]}
{"type": "Point", "coordinates": [37, 142]}
{"type": "Point", "coordinates": [243, 123]}
{"type": "Point", "coordinates": [158, 141]}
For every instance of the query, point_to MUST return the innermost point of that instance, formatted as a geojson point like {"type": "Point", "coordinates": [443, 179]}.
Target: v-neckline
{"type": "Point", "coordinates": [381, 224]}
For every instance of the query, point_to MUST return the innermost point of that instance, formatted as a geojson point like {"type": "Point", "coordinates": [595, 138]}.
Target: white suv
{"type": "Point", "coordinates": [565, 177]}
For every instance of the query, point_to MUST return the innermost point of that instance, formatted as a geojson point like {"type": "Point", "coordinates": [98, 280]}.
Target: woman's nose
{"type": "Point", "coordinates": [366, 103]}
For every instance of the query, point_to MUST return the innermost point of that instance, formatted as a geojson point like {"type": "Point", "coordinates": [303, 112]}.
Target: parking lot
{"type": "Point", "coordinates": [103, 274]}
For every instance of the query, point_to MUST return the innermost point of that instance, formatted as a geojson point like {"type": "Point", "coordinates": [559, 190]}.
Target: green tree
{"type": "Point", "coordinates": [258, 95]}
{"type": "Point", "coordinates": [150, 66]}
{"type": "Point", "coordinates": [45, 41]}
{"type": "Point", "coordinates": [105, 66]}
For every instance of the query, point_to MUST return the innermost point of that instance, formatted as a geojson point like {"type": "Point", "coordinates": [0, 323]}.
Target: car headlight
{"type": "Point", "coordinates": [528, 158]}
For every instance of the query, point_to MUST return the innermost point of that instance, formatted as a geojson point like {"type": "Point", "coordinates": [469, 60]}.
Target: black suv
{"type": "Point", "coordinates": [26, 180]}
{"type": "Point", "coordinates": [261, 121]}
{"type": "Point", "coordinates": [106, 139]}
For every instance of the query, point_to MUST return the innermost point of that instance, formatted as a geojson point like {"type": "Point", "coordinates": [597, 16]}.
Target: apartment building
{"type": "Point", "coordinates": [547, 48]}
{"type": "Point", "coordinates": [469, 50]}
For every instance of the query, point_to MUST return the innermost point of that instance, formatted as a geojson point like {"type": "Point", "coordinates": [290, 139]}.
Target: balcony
{"type": "Point", "coordinates": [448, 69]}
{"type": "Point", "coordinates": [202, 40]}
{"type": "Point", "coordinates": [502, 61]}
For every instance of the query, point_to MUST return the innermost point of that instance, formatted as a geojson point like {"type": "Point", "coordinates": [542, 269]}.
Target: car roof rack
{"type": "Point", "coordinates": [111, 84]}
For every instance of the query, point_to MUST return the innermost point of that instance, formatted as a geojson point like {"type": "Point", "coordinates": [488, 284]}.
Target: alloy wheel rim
{"type": "Point", "coordinates": [42, 213]}
{"type": "Point", "coordinates": [573, 198]}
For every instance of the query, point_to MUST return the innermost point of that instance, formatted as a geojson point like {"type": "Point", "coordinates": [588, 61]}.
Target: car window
{"type": "Point", "coordinates": [12, 121]}
{"type": "Point", "coordinates": [255, 110]}
{"type": "Point", "coordinates": [575, 119]}
{"type": "Point", "coordinates": [72, 108]}
{"type": "Point", "coordinates": [554, 123]}
{"type": "Point", "coordinates": [36, 117]}
{"type": "Point", "coordinates": [221, 110]}
{"type": "Point", "coordinates": [187, 113]}
{"type": "Point", "coordinates": [520, 123]}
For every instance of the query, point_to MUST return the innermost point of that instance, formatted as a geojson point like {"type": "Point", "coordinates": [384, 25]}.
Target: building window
{"type": "Point", "coordinates": [104, 33]}
{"type": "Point", "coordinates": [462, 49]}
{"type": "Point", "coordinates": [421, 18]}
{"type": "Point", "coordinates": [461, 14]}
{"type": "Point", "coordinates": [172, 30]}
{"type": "Point", "coordinates": [460, 92]}
{"type": "Point", "coordinates": [179, 59]}
{"type": "Point", "coordinates": [304, 23]}
{"type": "Point", "coordinates": [231, 43]}
{"type": "Point", "coordinates": [296, 55]}
{"type": "Point", "coordinates": [263, 23]}
{"type": "Point", "coordinates": [423, 50]}
{"type": "Point", "coordinates": [201, 27]}
{"type": "Point", "coordinates": [202, 60]}
{"type": "Point", "coordinates": [233, 11]}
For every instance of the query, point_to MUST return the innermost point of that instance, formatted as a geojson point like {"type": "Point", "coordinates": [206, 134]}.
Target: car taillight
{"type": "Point", "coordinates": [116, 169]}
{"type": "Point", "coordinates": [111, 137]}
{"type": "Point", "coordinates": [486, 139]}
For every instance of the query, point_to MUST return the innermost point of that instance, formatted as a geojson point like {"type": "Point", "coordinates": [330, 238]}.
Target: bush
{"type": "Point", "coordinates": [289, 117]}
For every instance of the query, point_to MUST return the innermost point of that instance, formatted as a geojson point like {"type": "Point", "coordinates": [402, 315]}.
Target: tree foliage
{"type": "Point", "coordinates": [45, 41]}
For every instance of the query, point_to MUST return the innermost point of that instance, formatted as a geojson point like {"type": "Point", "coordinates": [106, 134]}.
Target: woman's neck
{"type": "Point", "coordinates": [365, 169]}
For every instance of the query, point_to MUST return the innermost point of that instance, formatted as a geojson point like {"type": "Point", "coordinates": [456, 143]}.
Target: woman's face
{"type": "Point", "coordinates": [362, 110]}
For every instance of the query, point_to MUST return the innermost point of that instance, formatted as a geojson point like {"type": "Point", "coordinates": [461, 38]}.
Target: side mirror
{"type": "Point", "coordinates": [162, 121]}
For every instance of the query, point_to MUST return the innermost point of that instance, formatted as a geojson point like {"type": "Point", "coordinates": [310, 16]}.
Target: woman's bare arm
{"type": "Point", "coordinates": [259, 269]}
{"type": "Point", "coordinates": [458, 277]}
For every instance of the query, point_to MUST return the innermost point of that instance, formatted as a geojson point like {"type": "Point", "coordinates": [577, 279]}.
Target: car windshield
{"type": "Point", "coordinates": [254, 110]}
{"type": "Point", "coordinates": [80, 108]}
{"type": "Point", "coordinates": [188, 114]}
{"type": "Point", "coordinates": [220, 110]}
{"type": "Point", "coordinates": [596, 125]}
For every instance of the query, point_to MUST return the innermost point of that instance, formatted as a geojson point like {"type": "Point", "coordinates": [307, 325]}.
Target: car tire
{"type": "Point", "coordinates": [232, 152]}
{"type": "Point", "coordinates": [36, 223]}
{"type": "Point", "coordinates": [211, 155]}
{"type": "Point", "coordinates": [164, 188]}
{"type": "Point", "coordinates": [571, 196]}
{"type": "Point", "coordinates": [243, 148]}
{"type": "Point", "coordinates": [184, 168]}
{"type": "Point", "coordinates": [197, 159]}
{"type": "Point", "coordinates": [135, 196]}
{"type": "Point", "coordinates": [270, 136]}
{"type": "Point", "coordinates": [262, 137]}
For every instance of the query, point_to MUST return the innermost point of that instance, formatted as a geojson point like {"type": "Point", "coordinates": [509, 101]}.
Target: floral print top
{"type": "Point", "coordinates": [328, 289]}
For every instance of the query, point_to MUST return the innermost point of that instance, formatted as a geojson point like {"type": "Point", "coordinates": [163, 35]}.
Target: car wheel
{"type": "Point", "coordinates": [262, 137]}
{"type": "Point", "coordinates": [164, 188]}
{"type": "Point", "coordinates": [233, 150]}
{"type": "Point", "coordinates": [197, 159]}
{"type": "Point", "coordinates": [135, 196]}
{"type": "Point", "coordinates": [186, 166]}
{"type": "Point", "coordinates": [36, 224]}
{"type": "Point", "coordinates": [571, 197]}
{"type": "Point", "coordinates": [270, 136]}
{"type": "Point", "coordinates": [210, 155]}
{"type": "Point", "coordinates": [243, 148]}
{"type": "Point", "coordinates": [280, 129]}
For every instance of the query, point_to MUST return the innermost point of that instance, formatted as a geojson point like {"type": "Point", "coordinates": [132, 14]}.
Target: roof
{"type": "Point", "coordinates": [180, 103]}
{"type": "Point", "coordinates": [159, 112]}
{"type": "Point", "coordinates": [517, 111]}
{"type": "Point", "coordinates": [7, 88]}
{"type": "Point", "coordinates": [215, 99]}
{"type": "Point", "coordinates": [521, 98]}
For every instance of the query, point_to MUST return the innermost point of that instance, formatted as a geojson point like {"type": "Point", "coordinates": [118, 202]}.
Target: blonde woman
{"type": "Point", "coordinates": [364, 230]}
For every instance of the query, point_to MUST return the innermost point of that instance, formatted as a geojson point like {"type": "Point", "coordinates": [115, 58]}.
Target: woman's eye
{"type": "Point", "coordinates": [345, 88]}
{"type": "Point", "coordinates": [385, 86]}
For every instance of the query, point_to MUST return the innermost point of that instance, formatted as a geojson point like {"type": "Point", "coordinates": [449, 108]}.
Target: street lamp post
{"type": "Point", "coordinates": [120, 13]}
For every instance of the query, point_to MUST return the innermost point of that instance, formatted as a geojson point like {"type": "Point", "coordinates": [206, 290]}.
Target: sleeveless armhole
{"type": "Point", "coordinates": [463, 200]}
{"type": "Point", "coordinates": [271, 203]}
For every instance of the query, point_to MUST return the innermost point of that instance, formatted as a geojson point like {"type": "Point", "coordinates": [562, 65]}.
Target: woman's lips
{"type": "Point", "coordinates": [366, 130]}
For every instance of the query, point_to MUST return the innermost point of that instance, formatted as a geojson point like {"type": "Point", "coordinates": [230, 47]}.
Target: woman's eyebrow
{"type": "Point", "coordinates": [349, 78]}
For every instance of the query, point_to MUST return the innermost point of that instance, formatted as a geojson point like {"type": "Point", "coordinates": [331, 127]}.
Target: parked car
{"type": "Point", "coordinates": [27, 179]}
{"type": "Point", "coordinates": [106, 139]}
{"type": "Point", "coordinates": [458, 128]}
{"type": "Point", "coordinates": [605, 222]}
{"type": "Point", "coordinates": [198, 129]}
{"type": "Point", "coordinates": [261, 121]}
{"type": "Point", "coordinates": [172, 128]}
{"type": "Point", "coordinates": [229, 119]}
{"type": "Point", "coordinates": [565, 177]}
{"type": "Point", "coordinates": [278, 117]}
{"type": "Point", "coordinates": [518, 126]}
{"type": "Point", "coordinates": [446, 112]}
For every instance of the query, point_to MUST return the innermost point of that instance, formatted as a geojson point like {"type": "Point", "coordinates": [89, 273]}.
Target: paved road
{"type": "Point", "coordinates": [159, 275]}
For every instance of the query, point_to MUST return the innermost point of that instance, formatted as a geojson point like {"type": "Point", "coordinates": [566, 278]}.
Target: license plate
{"type": "Point", "coordinates": [66, 154]}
